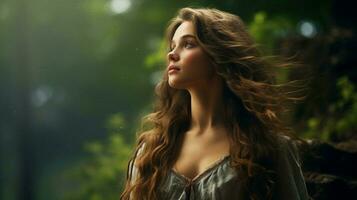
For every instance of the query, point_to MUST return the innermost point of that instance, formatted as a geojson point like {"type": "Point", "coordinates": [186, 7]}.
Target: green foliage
{"type": "Point", "coordinates": [157, 58]}
{"type": "Point", "coordinates": [267, 31]}
{"type": "Point", "coordinates": [341, 118]}
{"type": "Point", "coordinates": [102, 175]}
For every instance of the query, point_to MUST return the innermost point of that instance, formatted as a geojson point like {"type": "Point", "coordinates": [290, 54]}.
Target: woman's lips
{"type": "Point", "coordinates": [173, 69]}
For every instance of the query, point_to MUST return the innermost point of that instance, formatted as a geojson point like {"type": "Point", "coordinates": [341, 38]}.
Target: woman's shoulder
{"type": "Point", "coordinates": [288, 149]}
{"type": "Point", "coordinates": [287, 142]}
{"type": "Point", "coordinates": [291, 183]}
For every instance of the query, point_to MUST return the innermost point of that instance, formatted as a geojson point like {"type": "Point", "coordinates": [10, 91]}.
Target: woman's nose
{"type": "Point", "coordinates": [172, 56]}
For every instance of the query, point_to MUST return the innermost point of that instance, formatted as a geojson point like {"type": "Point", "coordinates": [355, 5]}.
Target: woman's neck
{"type": "Point", "coordinates": [207, 106]}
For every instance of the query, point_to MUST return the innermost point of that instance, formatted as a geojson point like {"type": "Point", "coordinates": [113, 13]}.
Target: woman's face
{"type": "Point", "coordinates": [191, 64]}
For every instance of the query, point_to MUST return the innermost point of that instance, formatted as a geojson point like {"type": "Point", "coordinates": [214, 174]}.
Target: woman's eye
{"type": "Point", "coordinates": [186, 45]}
{"type": "Point", "coordinates": [189, 45]}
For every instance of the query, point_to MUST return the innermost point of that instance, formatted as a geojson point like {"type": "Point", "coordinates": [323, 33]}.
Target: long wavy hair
{"type": "Point", "coordinates": [254, 106]}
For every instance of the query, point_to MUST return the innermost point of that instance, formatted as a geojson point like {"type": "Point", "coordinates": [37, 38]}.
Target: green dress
{"type": "Point", "coordinates": [220, 180]}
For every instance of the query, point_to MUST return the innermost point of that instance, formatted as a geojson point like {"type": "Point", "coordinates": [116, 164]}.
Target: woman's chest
{"type": "Point", "coordinates": [219, 182]}
{"type": "Point", "coordinates": [197, 155]}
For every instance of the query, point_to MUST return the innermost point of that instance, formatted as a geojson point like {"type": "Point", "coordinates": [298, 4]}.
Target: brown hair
{"type": "Point", "coordinates": [254, 106]}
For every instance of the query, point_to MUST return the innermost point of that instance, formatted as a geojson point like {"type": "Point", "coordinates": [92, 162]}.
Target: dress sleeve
{"type": "Point", "coordinates": [133, 172]}
{"type": "Point", "coordinates": [290, 180]}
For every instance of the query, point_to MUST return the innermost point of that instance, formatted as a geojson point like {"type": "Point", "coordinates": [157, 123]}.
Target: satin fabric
{"type": "Point", "coordinates": [220, 180]}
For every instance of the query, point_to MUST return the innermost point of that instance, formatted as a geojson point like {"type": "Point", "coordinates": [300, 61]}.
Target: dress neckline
{"type": "Point", "coordinates": [200, 175]}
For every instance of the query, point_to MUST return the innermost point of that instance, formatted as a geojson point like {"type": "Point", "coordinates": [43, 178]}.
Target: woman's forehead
{"type": "Point", "coordinates": [185, 29]}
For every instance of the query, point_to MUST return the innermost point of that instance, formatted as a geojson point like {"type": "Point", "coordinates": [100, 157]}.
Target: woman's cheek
{"type": "Point", "coordinates": [197, 63]}
{"type": "Point", "coordinates": [192, 57]}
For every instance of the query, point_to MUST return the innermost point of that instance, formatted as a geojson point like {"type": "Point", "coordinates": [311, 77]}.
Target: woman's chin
{"type": "Point", "coordinates": [175, 84]}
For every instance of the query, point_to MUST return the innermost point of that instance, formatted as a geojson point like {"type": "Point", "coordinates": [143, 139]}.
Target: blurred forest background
{"type": "Point", "coordinates": [76, 76]}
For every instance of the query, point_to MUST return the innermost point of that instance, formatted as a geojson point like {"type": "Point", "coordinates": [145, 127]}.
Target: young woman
{"type": "Point", "coordinates": [216, 131]}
